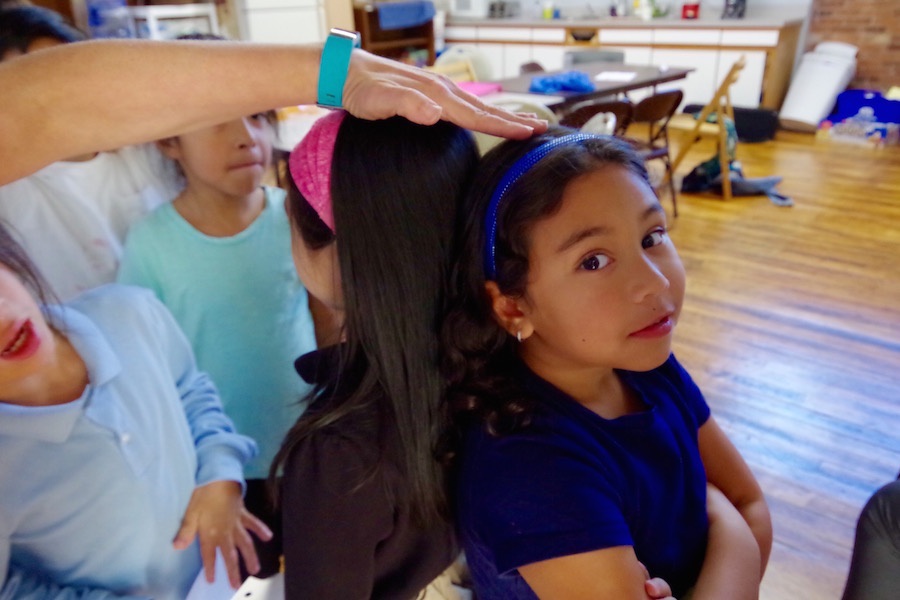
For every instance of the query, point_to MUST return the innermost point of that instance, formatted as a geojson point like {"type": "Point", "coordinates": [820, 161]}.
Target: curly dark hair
{"type": "Point", "coordinates": [478, 354]}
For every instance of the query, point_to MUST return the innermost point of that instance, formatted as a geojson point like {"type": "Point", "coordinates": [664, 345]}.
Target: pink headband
{"type": "Point", "coordinates": [310, 164]}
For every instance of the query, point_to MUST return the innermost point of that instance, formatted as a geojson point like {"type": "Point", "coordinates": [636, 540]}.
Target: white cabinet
{"type": "Point", "coordinates": [284, 21]}
{"type": "Point", "coordinates": [165, 22]}
{"type": "Point", "coordinates": [669, 51]}
{"type": "Point", "coordinates": [550, 57]}
{"type": "Point", "coordinates": [632, 40]}
{"type": "Point", "coordinates": [508, 48]}
{"type": "Point", "coordinates": [709, 51]}
{"type": "Point", "coordinates": [495, 58]}
{"type": "Point", "coordinates": [700, 83]}
{"type": "Point", "coordinates": [747, 90]}
{"type": "Point", "coordinates": [514, 56]}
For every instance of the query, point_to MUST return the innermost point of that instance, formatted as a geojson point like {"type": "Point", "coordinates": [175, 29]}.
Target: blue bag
{"type": "Point", "coordinates": [569, 81]}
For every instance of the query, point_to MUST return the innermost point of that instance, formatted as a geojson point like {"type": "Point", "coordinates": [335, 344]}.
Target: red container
{"type": "Point", "coordinates": [690, 10]}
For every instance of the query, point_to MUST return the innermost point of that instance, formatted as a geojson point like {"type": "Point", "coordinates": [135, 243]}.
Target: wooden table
{"type": "Point", "coordinates": [612, 82]}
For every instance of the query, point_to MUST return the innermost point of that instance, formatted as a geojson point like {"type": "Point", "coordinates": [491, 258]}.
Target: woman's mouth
{"type": "Point", "coordinates": [660, 328]}
{"type": "Point", "coordinates": [246, 165]}
{"type": "Point", "coordinates": [24, 343]}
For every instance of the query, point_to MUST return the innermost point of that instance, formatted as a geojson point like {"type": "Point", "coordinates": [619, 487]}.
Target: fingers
{"type": "Point", "coordinates": [245, 546]}
{"type": "Point", "coordinates": [187, 532]}
{"type": "Point", "coordinates": [208, 556]}
{"type": "Point", "coordinates": [377, 89]}
{"type": "Point", "coordinates": [252, 523]}
{"type": "Point", "coordinates": [658, 589]}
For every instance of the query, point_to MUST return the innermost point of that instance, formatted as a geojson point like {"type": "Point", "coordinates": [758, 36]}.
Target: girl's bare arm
{"type": "Point", "coordinates": [726, 469]}
{"type": "Point", "coordinates": [732, 564]}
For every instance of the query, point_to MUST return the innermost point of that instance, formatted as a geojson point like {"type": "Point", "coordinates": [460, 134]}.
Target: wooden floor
{"type": "Point", "coordinates": [791, 326]}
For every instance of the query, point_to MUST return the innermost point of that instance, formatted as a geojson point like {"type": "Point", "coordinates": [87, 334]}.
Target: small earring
{"type": "Point", "coordinates": [519, 336]}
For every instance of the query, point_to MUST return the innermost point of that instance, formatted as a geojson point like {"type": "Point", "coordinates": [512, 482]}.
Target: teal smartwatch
{"type": "Point", "coordinates": [334, 65]}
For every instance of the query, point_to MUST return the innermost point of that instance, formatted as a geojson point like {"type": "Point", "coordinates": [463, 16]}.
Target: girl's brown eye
{"type": "Point", "coordinates": [655, 238]}
{"type": "Point", "coordinates": [595, 262]}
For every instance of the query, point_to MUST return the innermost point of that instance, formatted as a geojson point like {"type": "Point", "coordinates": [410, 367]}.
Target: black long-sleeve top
{"type": "Point", "coordinates": [348, 532]}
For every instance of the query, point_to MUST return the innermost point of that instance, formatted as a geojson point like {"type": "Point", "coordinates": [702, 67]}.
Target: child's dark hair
{"type": "Point", "coordinates": [22, 25]}
{"type": "Point", "coordinates": [13, 255]}
{"type": "Point", "coordinates": [396, 192]}
{"type": "Point", "coordinates": [477, 352]}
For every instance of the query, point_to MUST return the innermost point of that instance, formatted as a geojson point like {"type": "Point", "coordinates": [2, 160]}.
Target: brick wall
{"type": "Point", "coordinates": [873, 26]}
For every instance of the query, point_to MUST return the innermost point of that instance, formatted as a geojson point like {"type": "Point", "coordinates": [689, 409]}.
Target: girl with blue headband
{"type": "Point", "coordinates": [585, 452]}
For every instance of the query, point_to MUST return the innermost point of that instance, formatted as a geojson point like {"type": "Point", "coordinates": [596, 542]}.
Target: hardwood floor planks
{"type": "Point", "coordinates": [791, 326]}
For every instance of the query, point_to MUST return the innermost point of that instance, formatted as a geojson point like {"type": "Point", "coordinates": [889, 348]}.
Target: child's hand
{"type": "Point", "coordinates": [656, 588]}
{"type": "Point", "coordinates": [216, 513]}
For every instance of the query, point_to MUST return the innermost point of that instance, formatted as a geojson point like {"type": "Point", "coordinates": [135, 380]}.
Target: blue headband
{"type": "Point", "coordinates": [521, 166]}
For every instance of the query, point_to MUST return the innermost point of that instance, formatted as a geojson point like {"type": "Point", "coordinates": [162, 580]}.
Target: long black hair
{"type": "Point", "coordinates": [396, 189]}
{"type": "Point", "coordinates": [477, 352]}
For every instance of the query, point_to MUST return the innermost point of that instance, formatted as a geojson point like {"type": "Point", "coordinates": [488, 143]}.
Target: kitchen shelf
{"type": "Point", "coordinates": [391, 43]}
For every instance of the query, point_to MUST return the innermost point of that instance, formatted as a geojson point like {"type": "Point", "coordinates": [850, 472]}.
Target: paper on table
{"type": "Point", "coordinates": [219, 589]}
{"type": "Point", "coordinates": [615, 76]}
{"type": "Point", "coordinates": [271, 588]}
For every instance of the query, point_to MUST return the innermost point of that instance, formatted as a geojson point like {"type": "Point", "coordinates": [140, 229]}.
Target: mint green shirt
{"type": "Point", "coordinates": [243, 308]}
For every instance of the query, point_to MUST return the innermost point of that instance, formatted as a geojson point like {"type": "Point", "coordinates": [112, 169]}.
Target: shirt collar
{"type": "Point", "coordinates": [54, 423]}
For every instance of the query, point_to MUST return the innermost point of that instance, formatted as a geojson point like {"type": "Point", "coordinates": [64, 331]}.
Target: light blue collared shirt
{"type": "Point", "coordinates": [93, 491]}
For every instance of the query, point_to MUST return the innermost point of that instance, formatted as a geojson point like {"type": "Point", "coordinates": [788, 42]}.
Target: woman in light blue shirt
{"type": "Point", "coordinates": [121, 474]}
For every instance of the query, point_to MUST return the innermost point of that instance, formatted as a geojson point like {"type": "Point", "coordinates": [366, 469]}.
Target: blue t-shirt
{"type": "Point", "coordinates": [574, 482]}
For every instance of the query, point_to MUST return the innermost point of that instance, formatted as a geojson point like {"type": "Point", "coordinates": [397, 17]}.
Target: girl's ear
{"type": "Point", "coordinates": [169, 147]}
{"type": "Point", "coordinates": [509, 312]}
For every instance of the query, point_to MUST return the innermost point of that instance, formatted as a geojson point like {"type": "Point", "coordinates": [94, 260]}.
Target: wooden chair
{"type": "Point", "coordinates": [720, 105]}
{"type": "Point", "coordinates": [656, 111]}
{"type": "Point", "coordinates": [531, 67]}
{"type": "Point", "coordinates": [456, 70]}
{"type": "Point", "coordinates": [581, 113]}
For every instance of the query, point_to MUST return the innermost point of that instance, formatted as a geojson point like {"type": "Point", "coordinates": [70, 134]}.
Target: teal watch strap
{"type": "Point", "coordinates": [333, 67]}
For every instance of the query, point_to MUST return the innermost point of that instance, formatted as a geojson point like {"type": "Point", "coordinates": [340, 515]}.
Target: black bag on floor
{"type": "Point", "coordinates": [752, 124]}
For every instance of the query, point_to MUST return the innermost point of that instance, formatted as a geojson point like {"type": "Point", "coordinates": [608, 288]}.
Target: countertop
{"type": "Point", "coordinates": [758, 20]}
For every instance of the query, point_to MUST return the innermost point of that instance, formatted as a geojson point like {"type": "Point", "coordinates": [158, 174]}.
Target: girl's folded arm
{"type": "Point", "coordinates": [731, 566]}
{"type": "Point", "coordinates": [726, 470]}
{"type": "Point", "coordinates": [611, 573]}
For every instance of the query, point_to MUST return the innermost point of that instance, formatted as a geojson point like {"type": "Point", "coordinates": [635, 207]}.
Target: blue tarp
{"type": "Point", "coordinates": [400, 15]}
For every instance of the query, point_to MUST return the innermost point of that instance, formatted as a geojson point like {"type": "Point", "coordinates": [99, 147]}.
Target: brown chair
{"type": "Point", "coordinates": [530, 67]}
{"type": "Point", "coordinates": [699, 126]}
{"type": "Point", "coordinates": [655, 111]}
{"type": "Point", "coordinates": [581, 113]}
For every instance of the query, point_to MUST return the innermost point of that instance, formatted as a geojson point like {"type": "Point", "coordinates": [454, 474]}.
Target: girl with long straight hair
{"type": "Point", "coordinates": [363, 498]}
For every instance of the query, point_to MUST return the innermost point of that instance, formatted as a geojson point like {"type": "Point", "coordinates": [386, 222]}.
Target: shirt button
{"type": "Point", "coordinates": [125, 438]}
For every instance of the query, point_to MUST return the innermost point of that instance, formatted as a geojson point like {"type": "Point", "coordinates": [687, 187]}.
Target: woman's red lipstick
{"type": "Point", "coordinates": [24, 343]}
